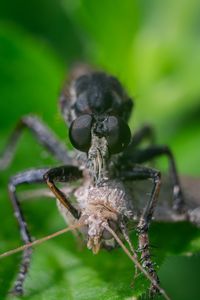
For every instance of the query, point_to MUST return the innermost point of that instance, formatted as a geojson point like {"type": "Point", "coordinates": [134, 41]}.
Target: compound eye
{"type": "Point", "coordinates": [80, 132]}
{"type": "Point", "coordinates": [118, 134]}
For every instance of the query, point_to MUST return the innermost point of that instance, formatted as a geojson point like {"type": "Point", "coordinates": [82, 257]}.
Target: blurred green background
{"type": "Point", "coordinates": [153, 47]}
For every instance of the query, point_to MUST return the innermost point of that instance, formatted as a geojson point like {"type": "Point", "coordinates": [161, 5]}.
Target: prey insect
{"type": "Point", "coordinates": [107, 160]}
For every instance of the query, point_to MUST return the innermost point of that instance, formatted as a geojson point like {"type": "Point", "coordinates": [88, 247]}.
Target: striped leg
{"type": "Point", "coordinates": [60, 174]}
{"type": "Point", "coordinates": [143, 173]}
{"type": "Point", "coordinates": [31, 176]}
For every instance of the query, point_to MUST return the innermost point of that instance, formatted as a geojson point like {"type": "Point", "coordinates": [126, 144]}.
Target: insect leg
{"type": "Point", "coordinates": [63, 174]}
{"type": "Point", "coordinates": [27, 177]}
{"type": "Point", "coordinates": [43, 135]}
{"type": "Point", "coordinates": [155, 151]}
{"type": "Point", "coordinates": [143, 173]}
{"type": "Point", "coordinates": [145, 132]}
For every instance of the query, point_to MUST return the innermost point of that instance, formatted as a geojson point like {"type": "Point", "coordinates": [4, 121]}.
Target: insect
{"type": "Point", "coordinates": [107, 161]}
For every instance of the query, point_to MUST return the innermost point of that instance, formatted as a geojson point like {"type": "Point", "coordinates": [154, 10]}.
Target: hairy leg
{"type": "Point", "coordinates": [152, 152]}
{"type": "Point", "coordinates": [143, 173]}
{"type": "Point", "coordinates": [61, 174]}
{"type": "Point", "coordinates": [28, 177]}
{"type": "Point", "coordinates": [43, 135]}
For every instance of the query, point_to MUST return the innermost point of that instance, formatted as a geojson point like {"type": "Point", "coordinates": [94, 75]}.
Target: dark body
{"type": "Point", "coordinates": [107, 160]}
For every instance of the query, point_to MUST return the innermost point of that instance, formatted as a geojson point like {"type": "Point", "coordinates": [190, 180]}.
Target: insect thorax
{"type": "Point", "coordinates": [94, 93]}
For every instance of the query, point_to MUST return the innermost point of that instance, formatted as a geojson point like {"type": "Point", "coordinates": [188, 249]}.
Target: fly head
{"type": "Point", "coordinates": [97, 110]}
{"type": "Point", "coordinates": [99, 136]}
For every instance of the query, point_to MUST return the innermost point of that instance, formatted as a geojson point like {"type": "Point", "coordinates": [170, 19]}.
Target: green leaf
{"type": "Point", "coordinates": [125, 38]}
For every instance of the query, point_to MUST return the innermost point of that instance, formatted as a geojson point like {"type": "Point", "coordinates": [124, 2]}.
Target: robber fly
{"type": "Point", "coordinates": [106, 160]}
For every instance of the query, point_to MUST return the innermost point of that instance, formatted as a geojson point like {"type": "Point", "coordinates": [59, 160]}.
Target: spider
{"type": "Point", "coordinates": [106, 160]}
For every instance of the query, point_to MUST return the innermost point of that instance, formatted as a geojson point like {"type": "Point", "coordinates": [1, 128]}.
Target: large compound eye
{"type": "Point", "coordinates": [118, 134]}
{"type": "Point", "coordinates": [80, 132]}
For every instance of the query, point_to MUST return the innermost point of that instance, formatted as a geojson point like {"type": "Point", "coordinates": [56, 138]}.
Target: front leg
{"type": "Point", "coordinates": [63, 174]}
{"type": "Point", "coordinates": [140, 156]}
{"type": "Point", "coordinates": [143, 173]}
{"type": "Point", "coordinates": [27, 177]}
